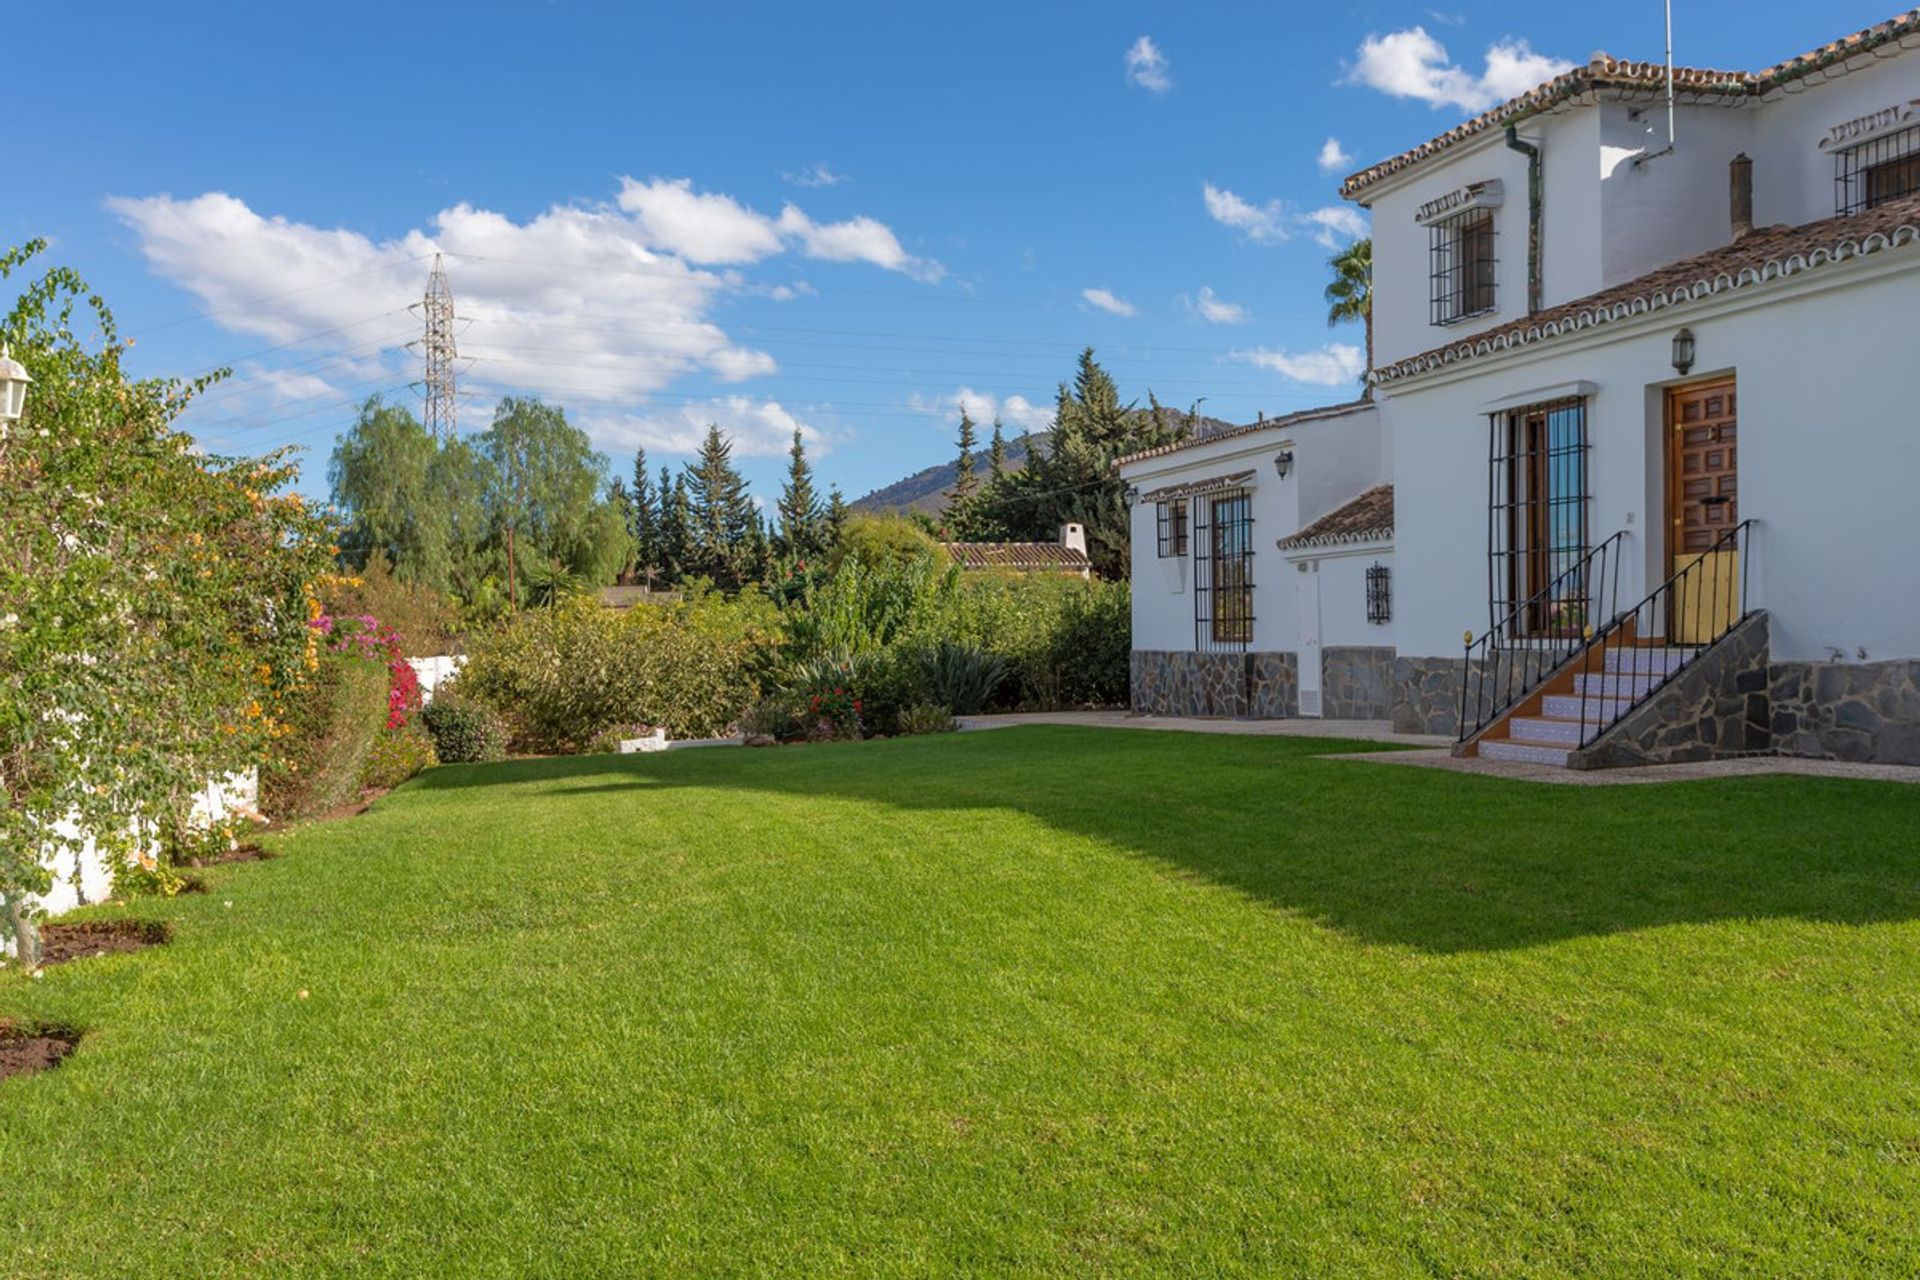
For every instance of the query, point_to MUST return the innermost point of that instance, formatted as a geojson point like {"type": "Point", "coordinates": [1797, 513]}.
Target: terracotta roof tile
{"type": "Point", "coordinates": [1018, 555]}
{"type": "Point", "coordinates": [1366, 518]}
{"type": "Point", "coordinates": [1192, 487]}
{"type": "Point", "coordinates": [1754, 259]}
{"type": "Point", "coordinates": [1603, 72]}
{"type": "Point", "coordinates": [1229, 433]}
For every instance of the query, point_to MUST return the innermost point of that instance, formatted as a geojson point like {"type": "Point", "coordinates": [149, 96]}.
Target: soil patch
{"type": "Point", "coordinates": [25, 1050]}
{"type": "Point", "coordinates": [63, 942]}
{"type": "Point", "coordinates": [245, 853]}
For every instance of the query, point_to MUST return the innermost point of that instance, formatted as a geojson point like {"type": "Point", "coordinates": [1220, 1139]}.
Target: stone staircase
{"type": "Point", "coordinates": [1545, 728]}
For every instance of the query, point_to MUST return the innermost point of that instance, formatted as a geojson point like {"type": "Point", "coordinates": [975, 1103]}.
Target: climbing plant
{"type": "Point", "coordinates": [154, 599]}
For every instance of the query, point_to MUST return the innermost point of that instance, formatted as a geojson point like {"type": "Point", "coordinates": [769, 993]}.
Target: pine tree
{"type": "Point", "coordinates": [997, 454]}
{"type": "Point", "coordinates": [757, 562]}
{"type": "Point", "coordinates": [836, 517]}
{"type": "Point", "coordinates": [720, 512]}
{"type": "Point", "coordinates": [645, 525]}
{"type": "Point", "coordinates": [799, 511]}
{"type": "Point", "coordinates": [965, 482]}
{"type": "Point", "coordinates": [675, 536]}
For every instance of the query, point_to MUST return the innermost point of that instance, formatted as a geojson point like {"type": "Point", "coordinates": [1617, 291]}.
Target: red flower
{"type": "Point", "coordinates": [856, 704]}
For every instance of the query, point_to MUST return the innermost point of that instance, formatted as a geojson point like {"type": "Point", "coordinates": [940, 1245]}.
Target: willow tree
{"type": "Point", "coordinates": [154, 601]}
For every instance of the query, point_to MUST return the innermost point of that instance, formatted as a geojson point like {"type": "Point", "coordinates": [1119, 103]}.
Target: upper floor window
{"type": "Point", "coordinates": [1874, 172]}
{"type": "Point", "coordinates": [1461, 260]}
{"type": "Point", "coordinates": [1172, 519]}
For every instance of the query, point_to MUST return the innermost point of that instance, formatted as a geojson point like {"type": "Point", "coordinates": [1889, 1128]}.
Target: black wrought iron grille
{"type": "Point", "coordinates": [1876, 171]}
{"type": "Point", "coordinates": [1172, 518]}
{"type": "Point", "coordinates": [1379, 594]}
{"type": "Point", "coordinates": [1461, 256]}
{"type": "Point", "coordinates": [1223, 571]}
{"type": "Point", "coordinates": [1537, 518]}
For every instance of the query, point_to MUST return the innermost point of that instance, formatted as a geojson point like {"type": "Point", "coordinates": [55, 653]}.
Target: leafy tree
{"type": "Point", "coordinates": [875, 541]}
{"type": "Point", "coordinates": [721, 514]}
{"type": "Point", "coordinates": [1349, 294]}
{"type": "Point", "coordinates": [382, 477]}
{"type": "Point", "coordinates": [153, 601]}
{"type": "Point", "coordinates": [800, 515]}
{"type": "Point", "coordinates": [545, 496]}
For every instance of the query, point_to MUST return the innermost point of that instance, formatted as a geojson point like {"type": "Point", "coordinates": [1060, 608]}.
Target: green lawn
{"type": "Point", "coordinates": [1032, 1002]}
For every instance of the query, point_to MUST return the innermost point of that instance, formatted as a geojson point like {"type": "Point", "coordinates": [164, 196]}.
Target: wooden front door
{"type": "Point", "coordinates": [1703, 504]}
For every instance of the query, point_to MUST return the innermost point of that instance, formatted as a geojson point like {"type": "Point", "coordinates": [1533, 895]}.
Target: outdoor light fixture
{"type": "Point", "coordinates": [1283, 463]}
{"type": "Point", "coordinates": [13, 386]}
{"type": "Point", "coordinates": [1683, 351]}
{"type": "Point", "coordinates": [1133, 495]}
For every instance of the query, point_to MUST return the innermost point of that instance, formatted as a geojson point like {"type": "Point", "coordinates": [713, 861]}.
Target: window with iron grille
{"type": "Point", "coordinates": [1379, 594]}
{"type": "Point", "coordinates": [1876, 171]}
{"type": "Point", "coordinates": [1172, 517]}
{"type": "Point", "coordinates": [1460, 255]}
{"type": "Point", "coordinates": [1223, 571]}
{"type": "Point", "coordinates": [1537, 516]}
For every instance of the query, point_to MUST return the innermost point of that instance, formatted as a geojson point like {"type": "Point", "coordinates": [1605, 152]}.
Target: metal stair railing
{"type": "Point", "coordinates": [1539, 635]}
{"type": "Point", "coordinates": [1697, 607]}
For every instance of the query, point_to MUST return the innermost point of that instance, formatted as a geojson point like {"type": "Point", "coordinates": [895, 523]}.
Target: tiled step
{"type": "Point", "coordinates": [1566, 706]}
{"type": "Point", "coordinates": [1632, 660]}
{"type": "Point", "coordinates": [1626, 688]}
{"type": "Point", "coordinates": [1522, 753]}
{"type": "Point", "coordinates": [1545, 731]}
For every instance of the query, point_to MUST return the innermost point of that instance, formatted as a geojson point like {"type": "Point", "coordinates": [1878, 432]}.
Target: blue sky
{"type": "Point", "coordinates": [846, 217]}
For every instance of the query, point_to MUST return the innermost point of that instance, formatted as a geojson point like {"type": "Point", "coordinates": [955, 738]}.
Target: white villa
{"type": "Point", "coordinates": [1636, 480]}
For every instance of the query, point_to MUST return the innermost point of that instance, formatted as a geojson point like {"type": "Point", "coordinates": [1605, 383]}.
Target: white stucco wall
{"type": "Point", "coordinates": [1829, 452]}
{"type": "Point", "coordinates": [1335, 459]}
{"type": "Point", "coordinates": [434, 672]}
{"type": "Point", "coordinates": [1792, 176]}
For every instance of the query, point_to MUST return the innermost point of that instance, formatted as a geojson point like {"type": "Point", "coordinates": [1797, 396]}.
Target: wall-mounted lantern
{"type": "Point", "coordinates": [1133, 495]}
{"type": "Point", "coordinates": [1683, 352]}
{"type": "Point", "coordinates": [1283, 463]}
{"type": "Point", "coordinates": [13, 386]}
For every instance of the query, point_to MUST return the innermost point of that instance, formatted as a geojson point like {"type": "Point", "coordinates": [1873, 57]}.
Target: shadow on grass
{"type": "Point", "coordinates": [1438, 861]}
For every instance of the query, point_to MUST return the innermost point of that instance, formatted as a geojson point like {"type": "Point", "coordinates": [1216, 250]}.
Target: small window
{"type": "Point", "coordinates": [1173, 528]}
{"type": "Point", "coordinates": [1882, 169]}
{"type": "Point", "coordinates": [1379, 595]}
{"type": "Point", "coordinates": [1461, 257]}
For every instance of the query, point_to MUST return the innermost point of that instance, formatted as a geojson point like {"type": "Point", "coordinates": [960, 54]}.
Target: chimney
{"type": "Point", "coordinates": [1074, 537]}
{"type": "Point", "coordinates": [1740, 195]}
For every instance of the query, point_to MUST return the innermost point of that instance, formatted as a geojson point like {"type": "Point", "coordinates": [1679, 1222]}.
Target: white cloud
{"type": "Point", "coordinates": [1330, 366]}
{"type": "Point", "coordinates": [758, 429]}
{"type": "Point", "coordinates": [816, 175]}
{"type": "Point", "coordinates": [1262, 224]}
{"type": "Point", "coordinates": [1333, 157]}
{"type": "Point", "coordinates": [1147, 66]}
{"type": "Point", "coordinates": [1211, 308]}
{"type": "Point", "coordinates": [596, 307]}
{"type": "Point", "coordinates": [1017, 413]}
{"type": "Point", "coordinates": [1109, 302]}
{"type": "Point", "coordinates": [1335, 225]}
{"type": "Point", "coordinates": [1412, 64]}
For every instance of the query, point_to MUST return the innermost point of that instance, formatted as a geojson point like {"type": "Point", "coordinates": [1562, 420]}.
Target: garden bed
{"type": "Point", "coordinates": [63, 942]}
{"type": "Point", "coordinates": [27, 1050]}
{"type": "Point", "coordinates": [245, 853]}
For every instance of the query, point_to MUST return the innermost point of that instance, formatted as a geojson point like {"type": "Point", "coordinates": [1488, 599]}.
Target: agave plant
{"type": "Point", "coordinates": [961, 677]}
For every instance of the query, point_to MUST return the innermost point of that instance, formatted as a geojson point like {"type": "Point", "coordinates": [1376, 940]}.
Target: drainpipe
{"type": "Point", "coordinates": [1535, 197]}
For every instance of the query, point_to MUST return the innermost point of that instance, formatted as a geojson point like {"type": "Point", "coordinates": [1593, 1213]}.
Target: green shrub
{"type": "Point", "coordinates": [781, 716]}
{"type": "Point", "coordinates": [560, 675]}
{"type": "Point", "coordinates": [883, 681]}
{"type": "Point", "coordinates": [464, 731]}
{"type": "Point", "coordinates": [398, 754]}
{"type": "Point", "coordinates": [961, 677]}
{"type": "Point", "coordinates": [926, 717]}
{"type": "Point", "coordinates": [883, 542]}
{"type": "Point", "coordinates": [334, 724]}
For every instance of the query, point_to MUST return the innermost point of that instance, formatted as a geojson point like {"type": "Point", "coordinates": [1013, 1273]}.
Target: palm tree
{"type": "Point", "coordinates": [1350, 294]}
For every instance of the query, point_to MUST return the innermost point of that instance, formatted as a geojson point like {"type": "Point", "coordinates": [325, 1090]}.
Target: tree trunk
{"type": "Point", "coordinates": [26, 933]}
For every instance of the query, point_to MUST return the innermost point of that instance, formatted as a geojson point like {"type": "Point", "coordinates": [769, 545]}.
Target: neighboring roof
{"type": "Point", "coordinates": [627, 597]}
{"type": "Point", "coordinates": [1603, 72]}
{"type": "Point", "coordinates": [1193, 487]}
{"type": "Point", "coordinates": [1368, 518]}
{"type": "Point", "coordinates": [1229, 433]}
{"type": "Point", "coordinates": [1754, 259]}
{"type": "Point", "coordinates": [1018, 555]}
